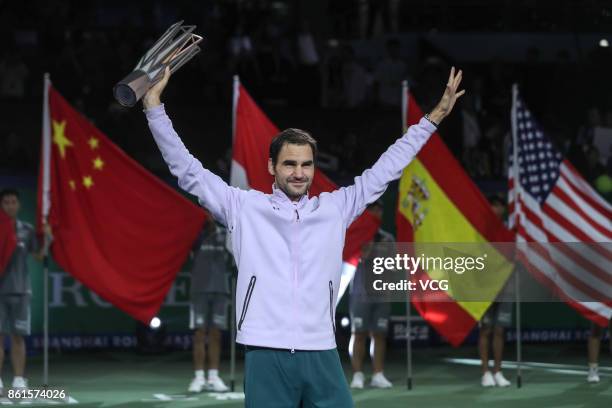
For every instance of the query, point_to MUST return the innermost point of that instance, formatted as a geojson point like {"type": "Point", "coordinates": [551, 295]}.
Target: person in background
{"type": "Point", "coordinates": [594, 344]}
{"type": "Point", "coordinates": [370, 317]}
{"type": "Point", "coordinates": [388, 76]}
{"type": "Point", "coordinates": [497, 318]}
{"type": "Point", "coordinates": [16, 288]}
{"type": "Point", "coordinates": [209, 305]}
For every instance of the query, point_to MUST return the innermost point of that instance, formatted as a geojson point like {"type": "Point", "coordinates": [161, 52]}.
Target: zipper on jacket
{"type": "Point", "coordinates": [331, 305]}
{"type": "Point", "coordinates": [295, 273]}
{"type": "Point", "coordinates": [247, 300]}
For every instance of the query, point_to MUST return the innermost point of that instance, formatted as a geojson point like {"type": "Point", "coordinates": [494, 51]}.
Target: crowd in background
{"type": "Point", "coordinates": [306, 71]}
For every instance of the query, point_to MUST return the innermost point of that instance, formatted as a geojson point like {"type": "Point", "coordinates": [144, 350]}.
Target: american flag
{"type": "Point", "coordinates": [567, 224]}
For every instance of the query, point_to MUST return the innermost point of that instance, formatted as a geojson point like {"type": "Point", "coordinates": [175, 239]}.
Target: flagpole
{"type": "Point", "coordinates": [235, 95]}
{"type": "Point", "coordinates": [409, 341]}
{"type": "Point", "coordinates": [231, 265]}
{"type": "Point", "coordinates": [405, 99]}
{"type": "Point", "coordinates": [517, 185]}
{"type": "Point", "coordinates": [519, 380]}
{"type": "Point", "coordinates": [46, 204]}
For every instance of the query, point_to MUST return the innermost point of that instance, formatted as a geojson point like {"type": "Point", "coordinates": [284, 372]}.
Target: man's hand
{"type": "Point", "coordinates": [47, 241]}
{"type": "Point", "coordinates": [445, 106]}
{"type": "Point", "coordinates": [48, 231]}
{"type": "Point", "coordinates": [153, 96]}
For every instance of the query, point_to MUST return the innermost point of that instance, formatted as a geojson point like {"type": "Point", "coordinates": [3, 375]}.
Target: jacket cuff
{"type": "Point", "coordinates": [155, 112]}
{"type": "Point", "coordinates": [427, 125]}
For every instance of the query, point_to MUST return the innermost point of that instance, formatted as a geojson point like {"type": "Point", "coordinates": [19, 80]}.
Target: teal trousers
{"type": "Point", "coordinates": [305, 379]}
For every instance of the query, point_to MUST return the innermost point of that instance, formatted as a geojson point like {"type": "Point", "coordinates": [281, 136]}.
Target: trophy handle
{"type": "Point", "coordinates": [183, 57]}
{"type": "Point", "coordinates": [132, 88]}
{"type": "Point", "coordinates": [162, 41]}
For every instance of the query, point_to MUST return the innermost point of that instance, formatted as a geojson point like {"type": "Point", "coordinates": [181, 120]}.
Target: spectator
{"type": "Point", "coordinates": [471, 127]}
{"type": "Point", "coordinates": [355, 79]}
{"type": "Point", "coordinates": [308, 78]}
{"type": "Point", "coordinates": [13, 76]}
{"type": "Point", "coordinates": [388, 76]}
{"type": "Point", "coordinates": [242, 55]}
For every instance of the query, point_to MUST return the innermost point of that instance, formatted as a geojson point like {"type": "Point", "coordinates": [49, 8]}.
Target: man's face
{"type": "Point", "coordinates": [10, 205]}
{"type": "Point", "coordinates": [294, 170]}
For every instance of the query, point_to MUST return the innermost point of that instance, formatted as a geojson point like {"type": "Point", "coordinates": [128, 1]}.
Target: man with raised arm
{"type": "Point", "coordinates": [288, 249]}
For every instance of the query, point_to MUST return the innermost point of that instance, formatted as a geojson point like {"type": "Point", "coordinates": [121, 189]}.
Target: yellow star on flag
{"type": "Point", "coordinates": [72, 185]}
{"type": "Point", "coordinates": [93, 143]}
{"type": "Point", "coordinates": [88, 181]}
{"type": "Point", "coordinates": [59, 138]}
{"type": "Point", "coordinates": [98, 163]}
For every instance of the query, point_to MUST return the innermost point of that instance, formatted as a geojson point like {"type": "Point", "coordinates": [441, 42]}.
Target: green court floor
{"type": "Point", "coordinates": [553, 376]}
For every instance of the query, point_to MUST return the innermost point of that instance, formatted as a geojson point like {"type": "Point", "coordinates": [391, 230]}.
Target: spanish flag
{"type": "Point", "coordinates": [438, 203]}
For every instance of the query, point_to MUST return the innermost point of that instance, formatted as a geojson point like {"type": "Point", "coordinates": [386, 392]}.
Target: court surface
{"type": "Point", "coordinates": [553, 376]}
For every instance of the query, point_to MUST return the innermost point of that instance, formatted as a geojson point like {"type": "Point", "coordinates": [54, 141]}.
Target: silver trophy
{"type": "Point", "coordinates": [177, 46]}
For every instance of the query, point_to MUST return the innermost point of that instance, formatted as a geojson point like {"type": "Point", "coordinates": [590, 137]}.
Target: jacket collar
{"type": "Point", "coordinates": [280, 197]}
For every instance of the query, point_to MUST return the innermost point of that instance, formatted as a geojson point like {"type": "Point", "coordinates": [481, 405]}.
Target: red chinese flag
{"type": "Point", "coordinates": [118, 229]}
{"type": "Point", "coordinates": [8, 240]}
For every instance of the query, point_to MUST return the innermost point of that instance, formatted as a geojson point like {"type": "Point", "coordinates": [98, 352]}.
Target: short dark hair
{"type": "Point", "coordinates": [8, 192]}
{"type": "Point", "coordinates": [292, 136]}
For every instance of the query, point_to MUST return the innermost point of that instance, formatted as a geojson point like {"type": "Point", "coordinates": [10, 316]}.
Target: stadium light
{"type": "Point", "coordinates": [155, 323]}
{"type": "Point", "coordinates": [604, 43]}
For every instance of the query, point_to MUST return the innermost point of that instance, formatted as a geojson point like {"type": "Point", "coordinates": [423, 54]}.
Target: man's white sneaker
{"type": "Point", "coordinates": [487, 380]}
{"type": "Point", "coordinates": [197, 384]}
{"type": "Point", "coordinates": [216, 384]}
{"type": "Point", "coordinates": [593, 376]}
{"type": "Point", "coordinates": [379, 381]}
{"type": "Point", "coordinates": [19, 382]}
{"type": "Point", "coordinates": [358, 380]}
{"type": "Point", "coordinates": [500, 380]}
